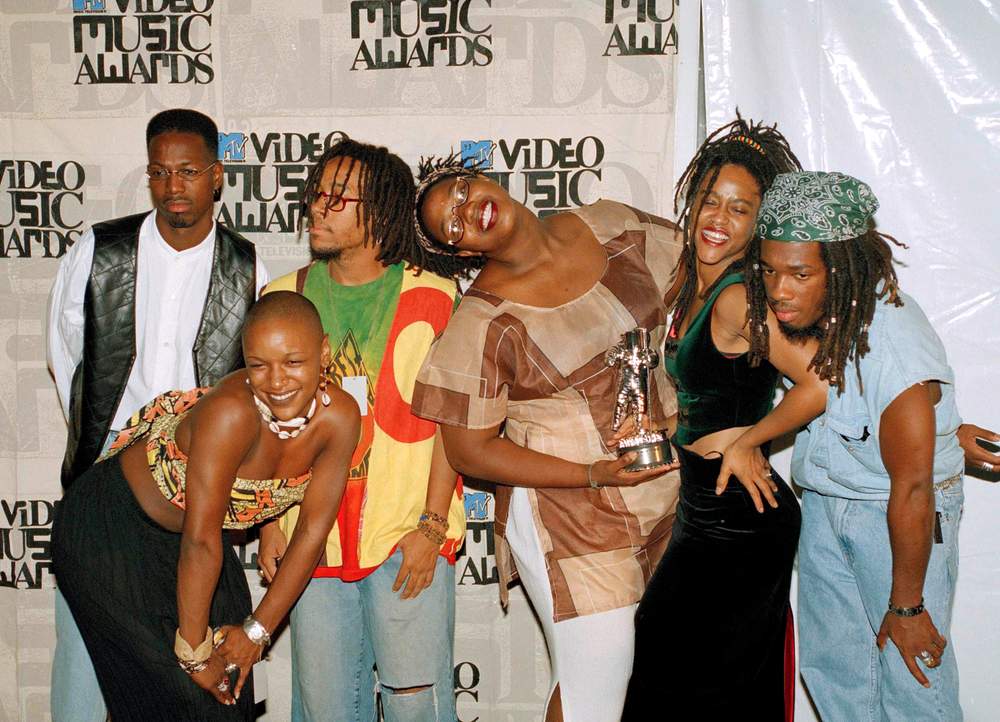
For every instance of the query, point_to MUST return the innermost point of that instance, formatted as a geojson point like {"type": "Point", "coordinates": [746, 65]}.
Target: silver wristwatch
{"type": "Point", "coordinates": [255, 631]}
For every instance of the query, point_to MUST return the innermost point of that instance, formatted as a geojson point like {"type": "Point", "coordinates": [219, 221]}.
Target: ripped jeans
{"type": "Point", "coordinates": [341, 630]}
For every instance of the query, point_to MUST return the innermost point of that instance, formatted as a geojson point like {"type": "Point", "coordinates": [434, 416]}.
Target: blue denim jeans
{"type": "Point", "coordinates": [845, 576]}
{"type": "Point", "coordinates": [75, 695]}
{"type": "Point", "coordinates": [341, 630]}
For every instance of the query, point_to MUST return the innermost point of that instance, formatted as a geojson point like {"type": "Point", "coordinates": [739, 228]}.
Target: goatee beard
{"type": "Point", "coordinates": [176, 220]}
{"type": "Point", "coordinates": [324, 256]}
{"type": "Point", "coordinates": [793, 333]}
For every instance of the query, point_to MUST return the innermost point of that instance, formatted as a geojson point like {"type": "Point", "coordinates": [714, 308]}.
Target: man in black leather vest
{"type": "Point", "coordinates": [141, 305]}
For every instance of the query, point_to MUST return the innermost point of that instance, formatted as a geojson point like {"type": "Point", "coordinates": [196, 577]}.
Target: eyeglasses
{"type": "Point", "coordinates": [334, 202]}
{"type": "Point", "coordinates": [454, 231]}
{"type": "Point", "coordinates": [187, 175]}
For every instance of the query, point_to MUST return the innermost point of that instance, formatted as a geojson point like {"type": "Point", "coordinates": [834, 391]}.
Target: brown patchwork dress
{"type": "Point", "coordinates": [542, 371]}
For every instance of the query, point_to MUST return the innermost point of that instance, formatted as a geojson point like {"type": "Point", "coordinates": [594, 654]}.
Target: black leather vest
{"type": "Point", "coordinates": [109, 343]}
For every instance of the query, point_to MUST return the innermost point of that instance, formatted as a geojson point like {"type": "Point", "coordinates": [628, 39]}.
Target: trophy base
{"type": "Point", "coordinates": [650, 452]}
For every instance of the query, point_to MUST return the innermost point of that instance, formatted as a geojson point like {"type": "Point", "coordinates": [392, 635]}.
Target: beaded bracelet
{"type": "Point", "coordinates": [429, 515]}
{"type": "Point", "coordinates": [435, 535]}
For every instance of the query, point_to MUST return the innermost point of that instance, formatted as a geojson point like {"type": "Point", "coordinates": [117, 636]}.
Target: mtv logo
{"type": "Point", "coordinates": [477, 505]}
{"type": "Point", "coordinates": [88, 6]}
{"type": "Point", "coordinates": [232, 146]}
{"type": "Point", "coordinates": [477, 153]}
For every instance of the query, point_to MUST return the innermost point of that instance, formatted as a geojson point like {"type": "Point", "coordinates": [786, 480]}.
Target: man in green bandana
{"type": "Point", "coordinates": [881, 469]}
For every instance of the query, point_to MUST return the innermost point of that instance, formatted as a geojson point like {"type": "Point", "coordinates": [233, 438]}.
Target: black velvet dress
{"type": "Point", "coordinates": [713, 629]}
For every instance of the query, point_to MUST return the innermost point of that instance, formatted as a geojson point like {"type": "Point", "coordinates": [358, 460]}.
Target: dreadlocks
{"type": "Point", "coordinates": [443, 260]}
{"type": "Point", "coordinates": [761, 150]}
{"type": "Point", "coordinates": [859, 275]}
{"type": "Point", "coordinates": [385, 184]}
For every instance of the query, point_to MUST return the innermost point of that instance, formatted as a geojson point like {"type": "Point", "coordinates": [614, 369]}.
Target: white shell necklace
{"type": "Point", "coordinates": [292, 427]}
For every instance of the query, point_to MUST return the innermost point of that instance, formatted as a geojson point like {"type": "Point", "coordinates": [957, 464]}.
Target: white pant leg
{"type": "Point", "coordinates": [590, 656]}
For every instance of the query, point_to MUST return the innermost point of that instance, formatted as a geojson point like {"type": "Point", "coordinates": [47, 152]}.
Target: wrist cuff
{"type": "Point", "coordinates": [906, 611]}
{"type": "Point", "coordinates": [184, 652]}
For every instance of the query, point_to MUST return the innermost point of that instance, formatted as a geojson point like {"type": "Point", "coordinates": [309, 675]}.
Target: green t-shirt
{"type": "Point", "coordinates": [357, 319]}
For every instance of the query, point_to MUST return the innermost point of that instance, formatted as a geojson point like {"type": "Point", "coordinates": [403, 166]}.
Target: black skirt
{"type": "Point", "coordinates": [117, 569]}
{"type": "Point", "coordinates": [713, 629]}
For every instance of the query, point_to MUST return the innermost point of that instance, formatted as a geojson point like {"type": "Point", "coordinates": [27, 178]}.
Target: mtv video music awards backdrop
{"type": "Point", "coordinates": [563, 101]}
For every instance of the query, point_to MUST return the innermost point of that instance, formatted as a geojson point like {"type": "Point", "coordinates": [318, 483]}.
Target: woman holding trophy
{"type": "Point", "coordinates": [521, 384]}
{"type": "Point", "coordinates": [713, 630]}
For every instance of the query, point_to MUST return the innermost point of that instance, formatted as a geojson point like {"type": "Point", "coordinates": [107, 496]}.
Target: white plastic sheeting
{"type": "Point", "coordinates": [905, 95]}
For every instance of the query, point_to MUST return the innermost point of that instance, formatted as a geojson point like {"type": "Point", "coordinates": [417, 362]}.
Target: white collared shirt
{"type": "Point", "coordinates": [171, 287]}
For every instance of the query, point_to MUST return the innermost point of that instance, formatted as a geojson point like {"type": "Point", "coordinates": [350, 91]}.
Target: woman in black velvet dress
{"type": "Point", "coordinates": [713, 626]}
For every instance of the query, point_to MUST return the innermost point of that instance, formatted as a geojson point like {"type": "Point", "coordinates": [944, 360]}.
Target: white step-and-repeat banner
{"type": "Point", "coordinates": [905, 96]}
{"type": "Point", "coordinates": [575, 97]}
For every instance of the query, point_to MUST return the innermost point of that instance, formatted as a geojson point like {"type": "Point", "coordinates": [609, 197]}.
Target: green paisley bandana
{"type": "Point", "coordinates": [815, 206]}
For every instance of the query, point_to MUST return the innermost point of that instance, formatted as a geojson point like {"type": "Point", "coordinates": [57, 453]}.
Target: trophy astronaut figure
{"type": "Point", "coordinates": [633, 358]}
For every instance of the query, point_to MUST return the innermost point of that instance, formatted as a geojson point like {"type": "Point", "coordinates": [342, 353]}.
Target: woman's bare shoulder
{"type": "Point", "coordinates": [228, 403]}
{"type": "Point", "coordinates": [731, 307]}
{"type": "Point", "coordinates": [341, 415]}
{"type": "Point", "coordinates": [569, 225]}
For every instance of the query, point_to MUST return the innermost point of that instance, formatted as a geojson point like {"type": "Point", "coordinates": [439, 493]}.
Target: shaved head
{"type": "Point", "coordinates": [287, 308]}
{"type": "Point", "coordinates": [286, 353]}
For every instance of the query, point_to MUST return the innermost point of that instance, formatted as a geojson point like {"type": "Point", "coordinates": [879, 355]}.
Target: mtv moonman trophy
{"type": "Point", "coordinates": [633, 358]}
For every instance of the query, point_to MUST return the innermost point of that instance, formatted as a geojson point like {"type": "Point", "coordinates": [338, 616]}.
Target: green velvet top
{"type": "Point", "coordinates": [715, 391]}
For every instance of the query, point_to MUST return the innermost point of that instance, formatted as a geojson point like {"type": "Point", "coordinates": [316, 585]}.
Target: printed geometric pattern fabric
{"type": "Point", "coordinates": [541, 372]}
{"type": "Point", "coordinates": [251, 501]}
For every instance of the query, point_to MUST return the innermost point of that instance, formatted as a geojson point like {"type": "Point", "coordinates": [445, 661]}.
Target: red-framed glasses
{"type": "Point", "coordinates": [334, 202]}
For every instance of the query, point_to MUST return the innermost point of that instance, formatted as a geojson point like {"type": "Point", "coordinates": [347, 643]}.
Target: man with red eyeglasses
{"type": "Point", "coordinates": [383, 593]}
{"type": "Point", "coordinates": [141, 305]}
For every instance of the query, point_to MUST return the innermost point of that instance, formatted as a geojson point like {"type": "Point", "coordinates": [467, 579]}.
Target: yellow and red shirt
{"type": "Point", "coordinates": [379, 334]}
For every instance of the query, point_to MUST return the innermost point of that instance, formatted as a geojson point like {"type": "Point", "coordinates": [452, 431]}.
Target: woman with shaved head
{"type": "Point", "coordinates": [138, 545]}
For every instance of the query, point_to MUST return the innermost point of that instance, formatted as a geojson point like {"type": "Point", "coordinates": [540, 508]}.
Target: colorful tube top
{"type": "Point", "coordinates": [251, 501]}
